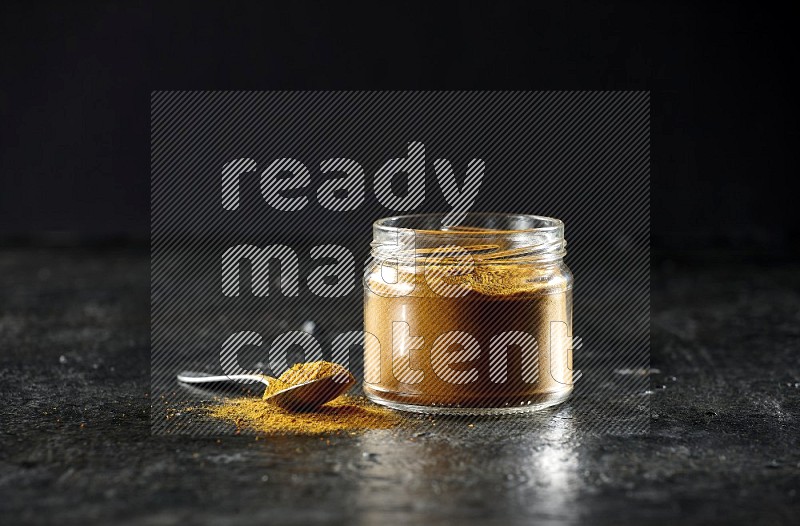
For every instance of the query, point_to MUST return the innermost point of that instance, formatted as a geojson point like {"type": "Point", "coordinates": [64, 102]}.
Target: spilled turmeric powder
{"type": "Point", "coordinates": [343, 414]}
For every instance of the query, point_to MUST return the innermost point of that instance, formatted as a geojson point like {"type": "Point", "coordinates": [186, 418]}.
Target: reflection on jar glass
{"type": "Point", "coordinates": [468, 319]}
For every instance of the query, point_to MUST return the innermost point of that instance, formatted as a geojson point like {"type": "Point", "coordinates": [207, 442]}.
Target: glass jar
{"type": "Point", "coordinates": [474, 318]}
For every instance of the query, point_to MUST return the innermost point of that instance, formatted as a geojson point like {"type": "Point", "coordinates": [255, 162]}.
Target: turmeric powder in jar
{"type": "Point", "coordinates": [468, 319]}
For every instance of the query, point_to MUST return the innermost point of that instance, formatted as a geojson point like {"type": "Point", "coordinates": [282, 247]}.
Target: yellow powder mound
{"type": "Point", "coordinates": [343, 414]}
{"type": "Point", "coordinates": [274, 386]}
{"type": "Point", "coordinates": [301, 373]}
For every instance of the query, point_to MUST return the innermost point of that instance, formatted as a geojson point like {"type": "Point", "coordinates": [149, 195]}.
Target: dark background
{"type": "Point", "coordinates": [76, 83]}
{"type": "Point", "coordinates": [75, 334]}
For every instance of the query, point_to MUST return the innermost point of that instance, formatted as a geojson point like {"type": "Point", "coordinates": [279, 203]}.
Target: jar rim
{"type": "Point", "coordinates": [551, 224]}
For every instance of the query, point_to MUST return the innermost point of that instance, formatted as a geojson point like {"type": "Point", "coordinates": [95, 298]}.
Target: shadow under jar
{"type": "Point", "coordinates": [474, 318]}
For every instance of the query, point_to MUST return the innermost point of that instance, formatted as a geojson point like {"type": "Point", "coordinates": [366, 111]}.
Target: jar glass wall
{"type": "Point", "coordinates": [468, 319]}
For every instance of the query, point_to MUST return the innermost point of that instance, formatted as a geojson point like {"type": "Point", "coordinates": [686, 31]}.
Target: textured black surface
{"type": "Point", "coordinates": [75, 442]}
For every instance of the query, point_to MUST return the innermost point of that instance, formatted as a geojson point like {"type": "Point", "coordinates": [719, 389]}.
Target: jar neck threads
{"type": "Point", "coordinates": [481, 238]}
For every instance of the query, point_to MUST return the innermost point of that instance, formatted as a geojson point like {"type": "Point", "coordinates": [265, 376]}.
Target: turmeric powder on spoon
{"type": "Point", "coordinates": [301, 373]}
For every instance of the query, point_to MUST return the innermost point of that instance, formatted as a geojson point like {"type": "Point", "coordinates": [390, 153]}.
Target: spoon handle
{"type": "Point", "coordinates": [191, 377]}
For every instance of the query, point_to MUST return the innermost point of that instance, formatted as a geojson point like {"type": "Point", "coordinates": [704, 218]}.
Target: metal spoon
{"type": "Point", "coordinates": [300, 397]}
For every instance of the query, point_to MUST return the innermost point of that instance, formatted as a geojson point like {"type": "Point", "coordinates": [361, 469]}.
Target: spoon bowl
{"type": "Point", "coordinates": [310, 395]}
